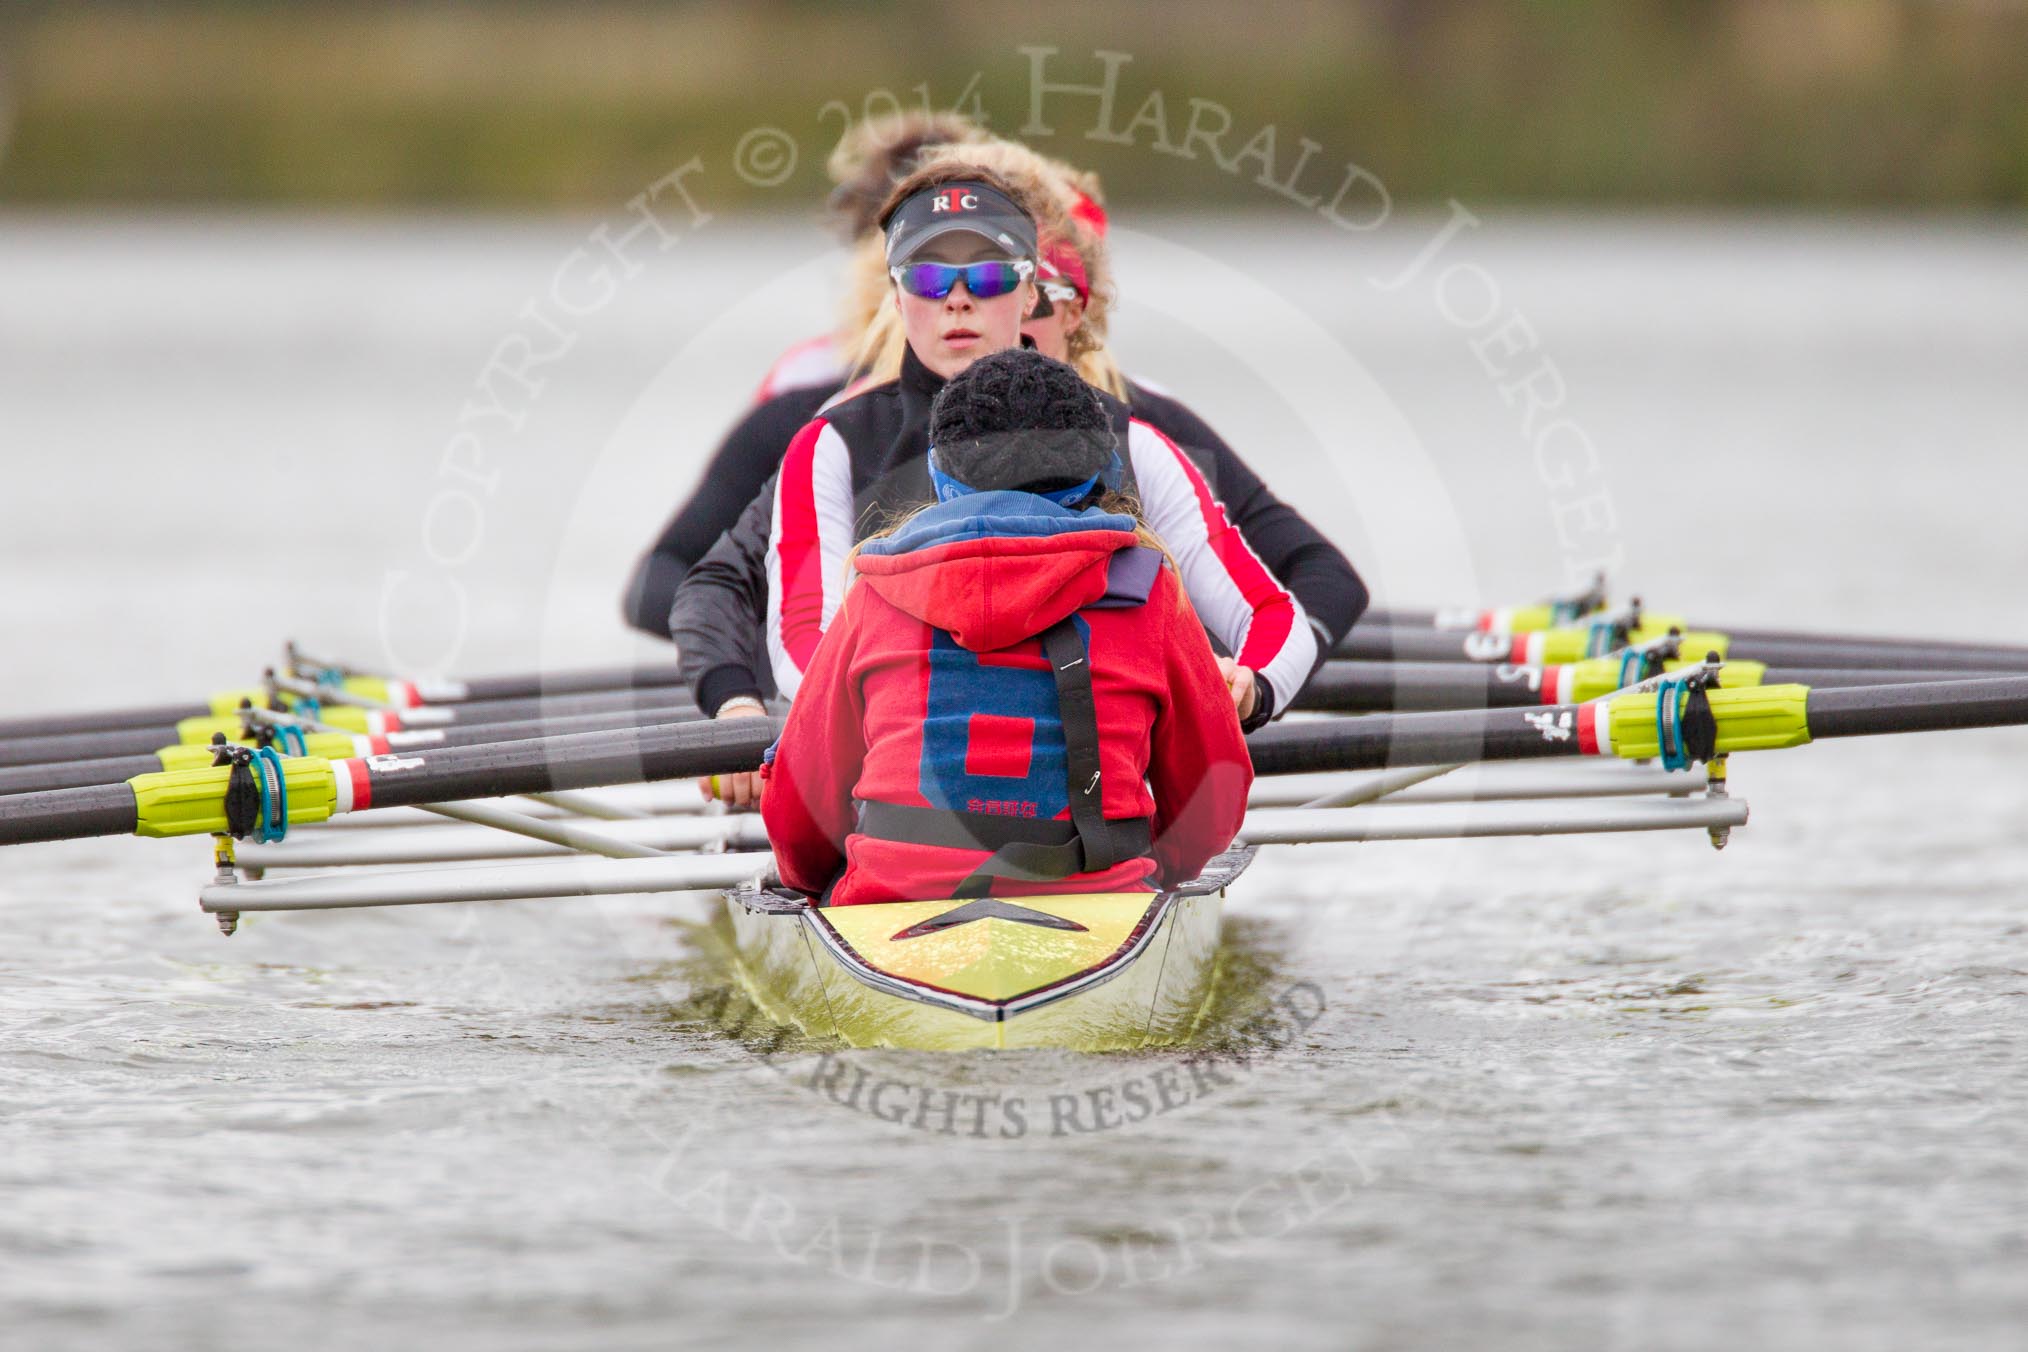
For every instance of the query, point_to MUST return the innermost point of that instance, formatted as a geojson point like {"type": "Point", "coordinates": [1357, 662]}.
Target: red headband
{"type": "Point", "coordinates": [1091, 213]}
{"type": "Point", "coordinates": [1061, 260]}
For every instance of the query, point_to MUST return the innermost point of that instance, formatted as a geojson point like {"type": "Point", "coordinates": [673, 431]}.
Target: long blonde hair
{"type": "Point", "coordinates": [872, 156]}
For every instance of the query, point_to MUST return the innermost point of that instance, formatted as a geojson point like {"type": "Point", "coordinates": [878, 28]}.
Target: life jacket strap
{"type": "Point", "coordinates": [1027, 848]}
{"type": "Point", "coordinates": [1077, 709]}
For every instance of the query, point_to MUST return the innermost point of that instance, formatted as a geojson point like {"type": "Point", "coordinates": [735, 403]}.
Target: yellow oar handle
{"type": "Point", "coordinates": [224, 702]}
{"type": "Point", "coordinates": [198, 731]}
{"type": "Point", "coordinates": [1596, 677]}
{"type": "Point", "coordinates": [328, 745]}
{"type": "Point", "coordinates": [1754, 718]}
{"type": "Point", "coordinates": [1535, 619]}
{"type": "Point", "coordinates": [1555, 647]}
{"type": "Point", "coordinates": [192, 802]}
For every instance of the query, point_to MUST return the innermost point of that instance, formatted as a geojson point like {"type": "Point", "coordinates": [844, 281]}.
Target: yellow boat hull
{"type": "Point", "coordinates": [1104, 972]}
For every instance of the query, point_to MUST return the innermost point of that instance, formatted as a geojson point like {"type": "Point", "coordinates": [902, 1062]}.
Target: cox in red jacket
{"type": "Point", "coordinates": [1015, 698]}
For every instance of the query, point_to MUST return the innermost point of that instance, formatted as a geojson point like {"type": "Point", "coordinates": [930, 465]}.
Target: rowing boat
{"type": "Point", "coordinates": [1090, 973]}
{"type": "Point", "coordinates": [1102, 972]}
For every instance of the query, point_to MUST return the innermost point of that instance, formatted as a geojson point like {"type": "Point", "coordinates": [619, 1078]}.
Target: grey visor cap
{"type": "Point", "coordinates": [972, 207]}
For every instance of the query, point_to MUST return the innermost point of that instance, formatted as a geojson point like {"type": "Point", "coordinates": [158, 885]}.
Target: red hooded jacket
{"type": "Point", "coordinates": [930, 689]}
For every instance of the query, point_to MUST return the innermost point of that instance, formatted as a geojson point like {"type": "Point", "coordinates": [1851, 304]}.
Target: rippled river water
{"type": "Point", "coordinates": [1620, 1092]}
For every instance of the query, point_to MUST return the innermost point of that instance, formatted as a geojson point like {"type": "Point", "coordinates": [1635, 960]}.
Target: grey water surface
{"type": "Point", "coordinates": [1613, 1092]}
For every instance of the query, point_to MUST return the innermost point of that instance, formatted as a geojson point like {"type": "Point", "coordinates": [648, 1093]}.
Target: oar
{"type": "Point", "coordinates": [220, 704]}
{"type": "Point", "coordinates": [520, 685]}
{"type": "Point", "coordinates": [1628, 725]}
{"type": "Point", "coordinates": [331, 746]}
{"type": "Point", "coordinates": [1381, 643]}
{"type": "Point", "coordinates": [398, 694]}
{"type": "Point", "coordinates": [663, 705]}
{"type": "Point", "coordinates": [1400, 687]}
{"type": "Point", "coordinates": [1576, 608]}
{"type": "Point", "coordinates": [1637, 725]}
{"type": "Point", "coordinates": [1407, 635]}
{"type": "Point", "coordinates": [1341, 687]}
{"type": "Point", "coordinates": [193, 802]}
{"type": "Point", "coordinates": [1567, 608]}
{"type": "Point", "coordinates": [31, 764]}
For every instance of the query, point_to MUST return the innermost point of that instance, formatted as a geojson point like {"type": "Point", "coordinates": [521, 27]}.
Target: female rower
{"type": "Point", "coordinates": [962, 250]}
{"type": "Point", "coordinates": [720, 645]}
{"type": "Point", "coordinates": [1014, 696]}
{"type": "Point", "coordinates": [1070, 323]}
{"type": "Point", "coordinates": [718, 615]}
{"type": "Point", "coordinates": [1073, 270]}
{"type": "Point", "coordinates": [866, 164]}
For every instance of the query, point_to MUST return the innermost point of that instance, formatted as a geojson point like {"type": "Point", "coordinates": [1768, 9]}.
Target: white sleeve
{"type": "Point", "coordinates": [809, 538]}
{"type": "Point", "coordinates": [1234, 594]}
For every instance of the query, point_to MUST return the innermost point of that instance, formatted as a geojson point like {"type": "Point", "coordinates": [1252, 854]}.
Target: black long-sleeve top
{"type": "Point", "coordinates": [744, 461]}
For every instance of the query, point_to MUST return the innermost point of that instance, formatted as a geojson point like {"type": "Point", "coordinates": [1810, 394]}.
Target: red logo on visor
{"type": "Point", "coordinates": [954, 199]}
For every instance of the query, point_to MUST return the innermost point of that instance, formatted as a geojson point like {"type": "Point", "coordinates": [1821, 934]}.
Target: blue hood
{"type": "Point", "coordinates": [995, 515]}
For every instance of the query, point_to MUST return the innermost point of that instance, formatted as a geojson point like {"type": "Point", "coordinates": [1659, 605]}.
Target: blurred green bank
{"type": "Point", "coordinates": [1825, 104]}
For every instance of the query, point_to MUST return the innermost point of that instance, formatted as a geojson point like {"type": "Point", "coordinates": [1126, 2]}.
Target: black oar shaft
{"type": "Point", "coordinates": [476, 734]}
{"type": "Point", "coordinates": [537, 685]}
{"type": "Point", "coordinates": [580, 761]}
{"type": "Point", "coordinates": [658, 699]}
{"type": "Point", "coordinates": [1376, 687]}
{"type": "Point", "coordinates": [477, 689]}
{"type": "Point", "coordinates": [1382, 643]}
{"type": "Point", "coordinates": [71, 746]}
{"type": "Point", "coordinates": [1840, 677]}
{"type": "Point", "coordinates": [110, 720]}
{"type": "Point", "coordinates": [2004, 656]}
{"type": "Point", "coordinates": [624, 706]}
{"type": "Point", "coordinates": [67, 814]}
{"type": "Point", "coordinates": [1410, 739]}
{"type": "Point", "coordinates": [1408, 687]}
{"type": "Point", "coordinates": [1398, 618]}
{"type": "Point", "coordinates": [1385, 643]}
{"type": "Point", "coordinates": [1911, 649]}
{"type": "Point", "coordinates": [1930, 707]}
{"type": "Point", "coordinates": [538, 765]}
{"type": "Point", "coordinates": [1866, 654]}
{"type": "Point", "coordinates": [75, 774]}
{"type": "Point", "coordinates": [111, 770]}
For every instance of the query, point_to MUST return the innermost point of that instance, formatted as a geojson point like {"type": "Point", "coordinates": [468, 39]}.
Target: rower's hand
{"type": "Point", "coordinates": [742, 790]}
{"type": "Point", "coordinates": [1239, 680]}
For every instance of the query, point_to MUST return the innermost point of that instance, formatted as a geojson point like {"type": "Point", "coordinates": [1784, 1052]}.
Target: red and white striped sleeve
{"type": "Point", "coordinates": [1234, 594]}
{"type": "Point", "coordinates": [809, 538]}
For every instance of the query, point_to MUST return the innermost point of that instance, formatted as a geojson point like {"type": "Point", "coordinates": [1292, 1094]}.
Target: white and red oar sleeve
{"type": "Point", "coordinates": [809, 538]}
{"type": "Point", "coordinates": [1234, 594]}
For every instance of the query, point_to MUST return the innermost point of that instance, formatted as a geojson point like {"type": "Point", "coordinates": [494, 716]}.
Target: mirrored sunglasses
{"type": "Point", "coordinates": [984, 281]}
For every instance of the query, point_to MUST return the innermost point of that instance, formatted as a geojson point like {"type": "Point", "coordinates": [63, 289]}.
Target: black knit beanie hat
{"type": "Point", "coordinates": [1019, 420]}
